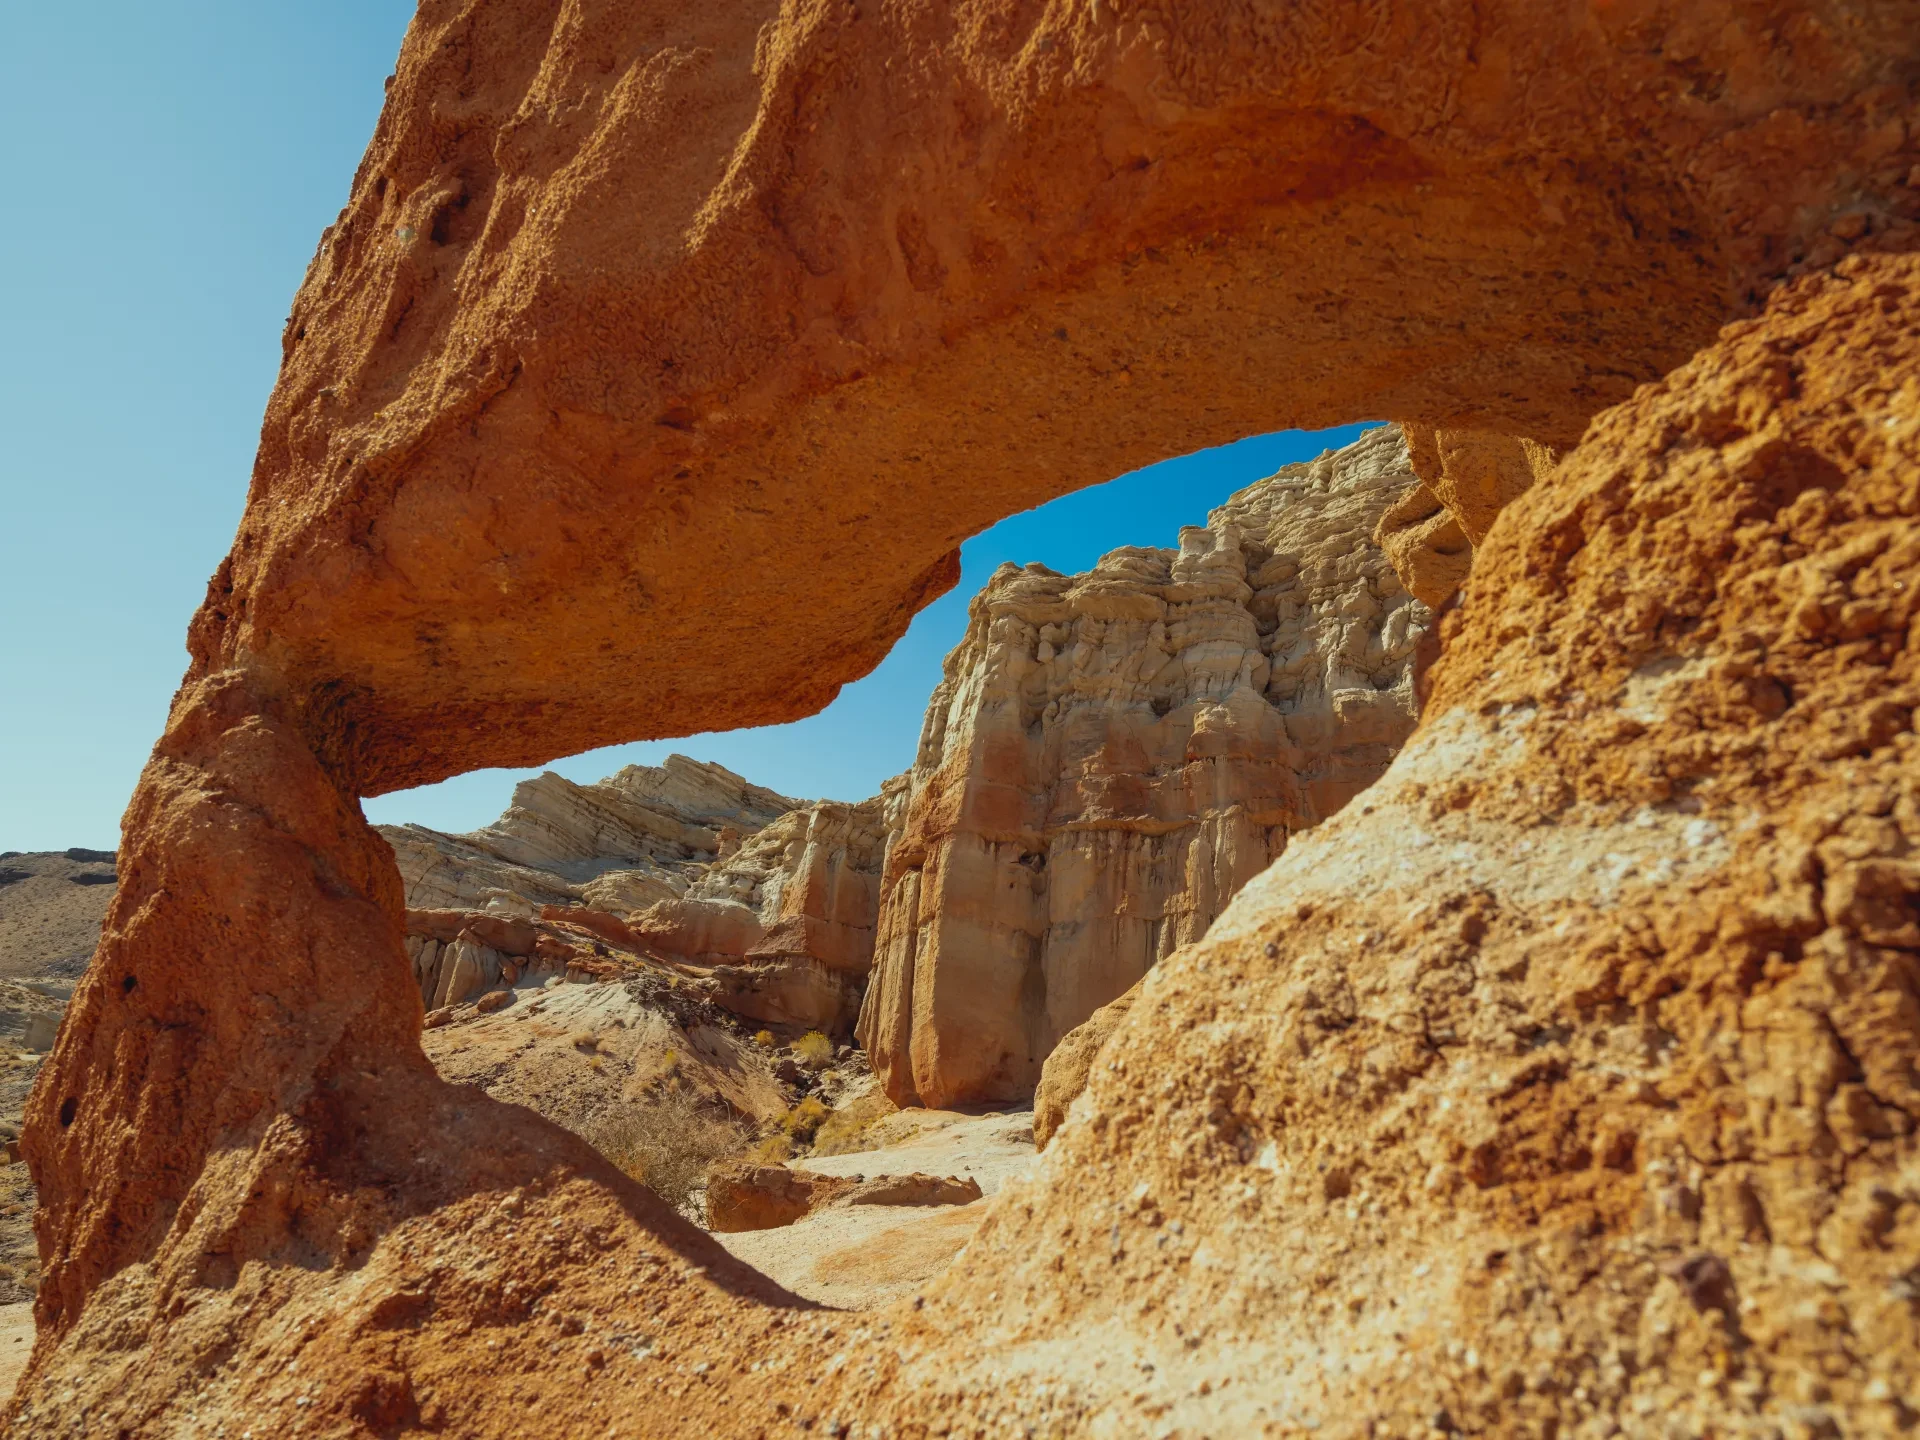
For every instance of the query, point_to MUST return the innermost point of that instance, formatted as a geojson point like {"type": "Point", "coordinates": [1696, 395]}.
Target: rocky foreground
{"type": "Point", "coordinates": [1562, 1083]}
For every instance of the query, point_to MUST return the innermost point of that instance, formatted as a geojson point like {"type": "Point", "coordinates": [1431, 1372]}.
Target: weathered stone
{"type": "Point", "coordinates": [1064, 1076]}
{"type": "Point", "coordinates": [787, 919]}
{"type": "Point", "coordinates": [743, 1195]}
{"type": "Point", "coordinates": [748, 1196]}
{"type": "Point", "coordinates": [1111, 756]}
{"type": "Point", "coordinates": [1467, 478]}
{"type": "Point", "coordinates": [649, 333]}
{"type": "Point", "coordinates": [623, 843]}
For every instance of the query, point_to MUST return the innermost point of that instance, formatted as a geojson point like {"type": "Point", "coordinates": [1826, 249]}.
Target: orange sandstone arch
{"type": "Point", "coordinates": [659, 363]}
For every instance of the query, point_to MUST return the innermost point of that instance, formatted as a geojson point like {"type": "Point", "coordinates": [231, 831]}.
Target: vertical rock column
{"type": "Point", "coordinates": [251, 978]}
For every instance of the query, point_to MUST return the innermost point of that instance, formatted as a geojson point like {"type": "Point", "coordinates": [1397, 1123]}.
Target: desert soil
{"type": "Point", "coordinates": [861, 1257]}
{"type": "Point", "coordinates": [51, 906]}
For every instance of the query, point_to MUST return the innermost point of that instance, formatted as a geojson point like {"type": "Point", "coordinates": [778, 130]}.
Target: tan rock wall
{"type": "Point", "coordinates": [1467, 478]}
{"type": "Point", "coordinates": [623, 843]}
{"type": "Point", "coordinates": [1111, 756]}
{"type": "Point", "coordinates": [642, 320]}
{"type": "Point", "coordinates": [787, 920]}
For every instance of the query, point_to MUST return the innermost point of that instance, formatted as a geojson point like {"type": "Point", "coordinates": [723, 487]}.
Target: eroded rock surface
{"type": "Point", "coordinates": [787, 921]}
{"type": "Point", "coordinates": [637, 837]}
{"type": "Point", "coordinates": [642, 320]}
{"type": "Point", "coordinates": [1111, 756]}
{"type": "Point", "coordinates": [1467, 477]}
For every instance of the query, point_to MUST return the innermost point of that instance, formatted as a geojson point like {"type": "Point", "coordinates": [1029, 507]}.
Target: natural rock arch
{"type": "Point", "coordinates": [658, 364]}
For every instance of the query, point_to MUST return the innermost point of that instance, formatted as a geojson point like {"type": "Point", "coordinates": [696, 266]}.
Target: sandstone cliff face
{"type": "Point", "coordinates": [787, 921]}
{"type": "Point", "coordinates": [1111, 756]}
{"type": "Point", "coordinates": [623, 843]}
{"type": "Point", "coordinates": [628, 298]}
{"type": "Point", "coordinates": [1467, 477]}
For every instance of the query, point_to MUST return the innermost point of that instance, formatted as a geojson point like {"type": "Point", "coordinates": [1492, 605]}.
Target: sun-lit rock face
{"type": "Point", "coordinates": [1467, 477]}
{"type": "Point", "coordinates": [661, 359]}
{"type": "Point", "coordinates": [639, 836]}
{"type": "Point", "coordinates": [1111, 756]}
{"type": "Point", "coordinates": [787, 920]}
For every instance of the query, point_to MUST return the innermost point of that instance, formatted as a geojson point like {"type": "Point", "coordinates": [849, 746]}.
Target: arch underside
{"type": "Point", "coordinates": [657, 367]}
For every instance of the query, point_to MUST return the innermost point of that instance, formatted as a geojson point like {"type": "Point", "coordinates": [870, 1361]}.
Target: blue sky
{"type": "Point", "coordinates": [171, 170]}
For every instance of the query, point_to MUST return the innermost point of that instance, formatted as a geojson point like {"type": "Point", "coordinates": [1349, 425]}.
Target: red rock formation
{"type": "Point", "coordinates": [645, 327]}
{"type": "Point", "coordinates": [1467, 478]}
{"type": "Point", "coordinates": [1111, 756]}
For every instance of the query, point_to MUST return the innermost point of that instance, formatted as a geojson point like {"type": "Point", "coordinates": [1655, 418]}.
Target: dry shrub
{"type": "Point", "coordinates": [805, 1119]}
{"type": "Point", "coordinates": [764, 1039]}
{"type": "Point", "coordinates": [775, 1148]}
{"type": "Point", "coordinates": [846, 1129]}
{"type": "Point", "coordinates": [666, 1142]}
{"type": "Point", "coordinates": [813, 1050]}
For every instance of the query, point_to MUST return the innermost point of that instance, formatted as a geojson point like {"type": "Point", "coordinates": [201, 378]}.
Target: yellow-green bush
{"type": "Point", "coordinates": [813, 1050]}
{"type": "Point", "coordinates": [805, 1119]}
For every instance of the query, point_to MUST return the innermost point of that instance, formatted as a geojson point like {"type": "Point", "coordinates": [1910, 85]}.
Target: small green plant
{"type": "Point", "coordinates": [813, 1050]}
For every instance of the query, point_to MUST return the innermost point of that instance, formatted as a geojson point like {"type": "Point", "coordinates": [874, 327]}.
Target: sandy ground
{"type": "Point", "coordinates": [861, 1257]}
{"type": "Point", "coordinates": [50, 914]}
{"type": "Point", "coordinates": [16, 1344]}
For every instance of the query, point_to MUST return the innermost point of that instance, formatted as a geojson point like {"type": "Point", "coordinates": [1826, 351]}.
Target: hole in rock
{"type": "Point", "coordinates": [129, 985]}
{"type": "Point", "coordinates": [1134, 699]}
{"type": "Point", "coordinates": [69, 1108]}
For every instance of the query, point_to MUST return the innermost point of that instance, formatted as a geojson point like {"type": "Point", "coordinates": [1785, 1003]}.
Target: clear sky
{"type": "Point", "coordinates": [170, 173]}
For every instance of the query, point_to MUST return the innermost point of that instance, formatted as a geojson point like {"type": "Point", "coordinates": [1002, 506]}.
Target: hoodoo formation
{"type": "Point", "coordinates": [1563, 1082]}
{"type": "Point", "coordinates": [1111, 756]}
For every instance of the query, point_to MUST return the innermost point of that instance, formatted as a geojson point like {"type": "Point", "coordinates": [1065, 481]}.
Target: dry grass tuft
{"type": "Point", "coordinates": [666, 1142]}
{"type": "Point", "coordinates": [813, 1050]}
{"type": "Point", "coordinates": [846, 1129]}
{"type": "Point", "coordinates": [805, 1119]}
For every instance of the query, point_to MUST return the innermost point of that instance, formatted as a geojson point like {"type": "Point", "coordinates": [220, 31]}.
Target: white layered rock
{"type": "Point", "coordinates": [637, 837]}
{"type": "Point", "coordinates": [1111, 756]}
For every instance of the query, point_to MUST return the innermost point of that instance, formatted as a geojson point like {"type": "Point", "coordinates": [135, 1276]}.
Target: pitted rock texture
{"type": "Point", "coordinates": [1566, 1081]}
{"type": "Point", "coordinates": [646, 328]}
{"type": "Point", "coordinates": [637, 837]}
{"type": "Point", "coordinates": [1467, 478]}
{"type": "Point", "coordinates": [632, 306]}
{"type": "Point", "coordinates": [786, 921]}
{"type": "Point", "coordinates": [1111, 756]}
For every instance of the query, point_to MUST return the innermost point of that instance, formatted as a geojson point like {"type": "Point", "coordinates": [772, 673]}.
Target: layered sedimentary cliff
{"type": "Point", "coordinates": [771, 900]}
{"type": "Point", "coordinates": [622, 843]}
{"type": "Point", "coordinates": [1111, 756]}
{"type": "Point", "coordinates": [1568, 1089]}
{"type": "Point", "coordinates": [787, 920]}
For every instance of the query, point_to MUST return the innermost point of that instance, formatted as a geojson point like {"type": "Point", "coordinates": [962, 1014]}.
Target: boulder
{"type": "Point", "coordinates": [747, 1196]}
{"type": "Point", "coordinates": [914, 1189]}
{"type": "Point", "coordinates": [1064, 1076]}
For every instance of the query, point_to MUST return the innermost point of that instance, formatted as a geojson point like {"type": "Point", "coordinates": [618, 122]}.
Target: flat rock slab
{"type": "Point", "coordinates": [860, 1257]}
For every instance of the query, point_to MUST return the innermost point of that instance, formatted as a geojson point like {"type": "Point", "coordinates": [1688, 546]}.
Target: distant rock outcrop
{"type": "Point", "coordinates": [1111, 756]}
{"type": "Point", "coordinates": [787, 920]}
{"type": "Point", "coordinates": [639, 836]}
{"type": "Point", "coordinates": [772, 900]}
